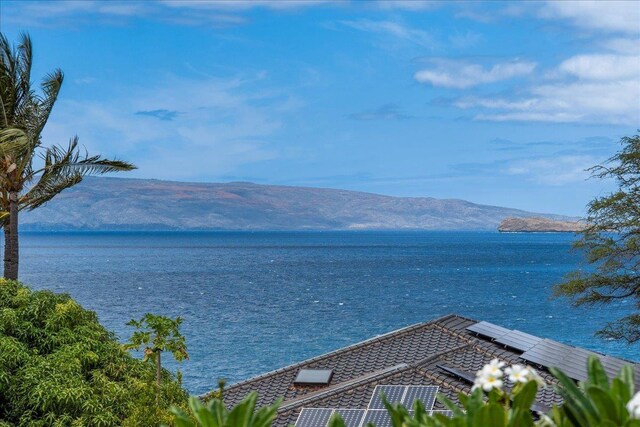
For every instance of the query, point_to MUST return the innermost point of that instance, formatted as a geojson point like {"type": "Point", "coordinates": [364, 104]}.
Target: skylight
{"type": "Point", "coordinates": [313, 377]}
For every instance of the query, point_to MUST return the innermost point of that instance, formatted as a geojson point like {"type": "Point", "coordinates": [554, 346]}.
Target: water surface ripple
{"type": "Point", "coordinates": [254, 302]}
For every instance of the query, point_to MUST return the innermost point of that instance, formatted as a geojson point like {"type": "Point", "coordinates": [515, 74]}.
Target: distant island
{"type": "Point", "coordinates": [535, 224]}
{"type": "Point", "coordinates": [105, 204]}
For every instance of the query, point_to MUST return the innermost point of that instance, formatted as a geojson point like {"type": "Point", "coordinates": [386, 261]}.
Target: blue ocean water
{"type": "Point", "coordinates": [253, 302]}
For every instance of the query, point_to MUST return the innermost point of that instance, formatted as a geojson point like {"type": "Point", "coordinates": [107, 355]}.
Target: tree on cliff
{"type": "Point", "coordinates": [31, 175]}
{"type": "Point", "coordinates": [611, 243]}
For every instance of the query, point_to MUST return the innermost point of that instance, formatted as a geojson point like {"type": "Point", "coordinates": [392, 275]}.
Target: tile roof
{"type": "Point", "coordinates": [408, 356]}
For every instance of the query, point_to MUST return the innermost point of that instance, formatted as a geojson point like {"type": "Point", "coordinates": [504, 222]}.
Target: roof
{"type": "Point", "coordinates": [441, 352]}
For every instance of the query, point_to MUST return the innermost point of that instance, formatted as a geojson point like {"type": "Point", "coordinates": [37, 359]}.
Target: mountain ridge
{"type": "Point", "coordinates": [101, 204]}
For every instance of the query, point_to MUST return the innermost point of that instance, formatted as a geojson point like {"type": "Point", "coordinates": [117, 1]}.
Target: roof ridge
{"type": "Point", "coordinates": [378, 338]}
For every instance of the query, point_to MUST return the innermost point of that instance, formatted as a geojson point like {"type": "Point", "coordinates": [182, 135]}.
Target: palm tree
{"type": "Point", "coordinates": [30, 174]}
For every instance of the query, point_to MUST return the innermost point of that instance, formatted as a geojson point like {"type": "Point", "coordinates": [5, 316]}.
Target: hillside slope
{"type": "Point", "coordinates": [140, 204]}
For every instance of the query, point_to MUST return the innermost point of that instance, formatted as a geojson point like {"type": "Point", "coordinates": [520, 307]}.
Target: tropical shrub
{"type": "Point", "coordinates": [60, 367]}
{"type": "Point", "coordinates": [597, 401]}
{"type": "Point", "coordinates": [215, 414]}
{"type": "Point", "coordinates": [158, 334]}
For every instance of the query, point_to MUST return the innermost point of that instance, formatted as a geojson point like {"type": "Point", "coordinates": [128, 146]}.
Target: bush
{"type": "Point", "coordinates": [60, 367]}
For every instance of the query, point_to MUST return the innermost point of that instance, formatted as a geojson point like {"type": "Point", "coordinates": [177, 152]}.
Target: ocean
{"type": "Point", "coordinates": [254, 302]}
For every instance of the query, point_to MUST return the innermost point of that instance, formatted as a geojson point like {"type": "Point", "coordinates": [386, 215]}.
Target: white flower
{"type": "Point", "coordinates": [518, 374]}
{"type": "Point", "coordinates": [634, 406]}
{"type": "Point", "coordinates": [490, 376]}
{"type": "Point", "coordinates": [489, 382]}
{"type": "Point", "coordinates": [493, 368]}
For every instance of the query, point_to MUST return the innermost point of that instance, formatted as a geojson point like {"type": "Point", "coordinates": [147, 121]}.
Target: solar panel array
{"type": "Point", "coordinates": [515, 339]}
{"type": "Point", "coordinates": [571, 360]}
{"type": "Point", "coordinates": [375, 412]}
{"type": "Point", "coordinates": [518, 340]}
{"type": "Point", "coordinates": [548, 353]}
{"type": "Point", "coordinates": [319, 417]}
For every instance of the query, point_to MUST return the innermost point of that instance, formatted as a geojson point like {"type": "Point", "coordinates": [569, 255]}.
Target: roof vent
{"type": "Point", "coordinates": [313, 377]}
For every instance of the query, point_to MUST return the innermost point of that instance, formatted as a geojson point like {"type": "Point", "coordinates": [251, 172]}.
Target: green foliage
{"type": "Point", "coordinates": [596, 402]}
{"type": "Point", "coordinates": [215, 414]}
{"type": "Point", "coordinates": [60, 367]}
{"type": "Point", "coordinates": [158, 334]}
{"type": "Point", "coordinates": [496, 408]}
{"type": "Point", "coordinates": [611, 242]}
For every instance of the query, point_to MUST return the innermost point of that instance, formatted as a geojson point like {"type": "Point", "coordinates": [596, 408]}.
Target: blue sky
{"type": "Point", "coordinates": [496, 103]}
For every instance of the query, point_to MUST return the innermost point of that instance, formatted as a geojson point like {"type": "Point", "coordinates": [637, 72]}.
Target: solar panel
{"type": "Point", "coordinates": [378, 417]}
{"type": "Point", "coordinates": [488, 330]}
{"type": "Point", "coordinates": [314, 417]}
{"type": "Point", "coordinates": [464, 375]}
{"type": "Point", "coordinates": [393, 394]}
{"type": "Point", "coordinates": [548, 353]}
{"type": "Point", "coordinates": [518, 340]}
{"type": "Point", "coordinates": [351, 417]}
{"type": "Point", "coordinates": [425, 394]}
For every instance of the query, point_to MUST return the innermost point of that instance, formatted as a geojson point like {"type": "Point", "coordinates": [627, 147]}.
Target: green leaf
{"type": "Point", "coordinates": [597, 374]}
{"type": "Point", "coordinates": [492, 414]}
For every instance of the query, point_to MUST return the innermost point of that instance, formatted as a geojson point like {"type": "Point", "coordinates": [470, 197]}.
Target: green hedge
{"type": "Point", "coordinates": [60, 367]}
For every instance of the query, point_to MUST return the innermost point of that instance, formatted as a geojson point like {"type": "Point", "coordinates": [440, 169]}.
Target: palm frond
{"type": "Point", "coordinates": [24, 61]}
{"type": "Point", "coordinates": [47, 187]}
{"type": "Point", "coordinates": [14, 143]}
{"type": "Point", "coordinates": [70, 160]}
{"type": "Point", "coordinates": [50, 86]}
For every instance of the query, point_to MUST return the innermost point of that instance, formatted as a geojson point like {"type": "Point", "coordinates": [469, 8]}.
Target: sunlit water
{"type": "Point", "coordinates": [253, 302]}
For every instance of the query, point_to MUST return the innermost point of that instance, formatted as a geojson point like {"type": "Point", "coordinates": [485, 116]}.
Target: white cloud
{"type": "Point", "coordinates": [219, 126]}
{"type": "Point", "coordinates": [602, 66]}
{"type": "Point", "coordinates": [588, 88]}
{"type": "Point", "coordinates": [460, 75]}
{"type": "Point", "coordinates": [555, 171]}
{"type": "Point", "coordinates": [394, 29]}
{"type": "Point", "coordinates": [611, 16]}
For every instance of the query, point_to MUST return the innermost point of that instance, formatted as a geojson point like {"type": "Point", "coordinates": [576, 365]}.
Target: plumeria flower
{"type": "Point", "coordinates": [518, 374]}
{"type": "Point", "coordinates": [634, 406]}
{"type": "Point", "coordinates": [489, 382]}
{"type": "Point", "coordinates": [493, 368]}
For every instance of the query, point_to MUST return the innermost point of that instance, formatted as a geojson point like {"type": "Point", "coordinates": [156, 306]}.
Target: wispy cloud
{"type": "Point", "coordinates": [165, 115]}
{"type": "Point", "coordinates": [461, 75]}
{"type": "Point", "coordinates": [222, 125]}
{"type": "Point", "coordinates": [74, 13]}
{"type": "Point", "coordinates": [249, 4]}
{"type": "Point", "coordinates": [385, 112]}
{"type": "Point", "coordinates": [411, 5]}
{"type": "Point", "coordinates": [554, 171]}
{"type": "Point", "coordinates": [394, 29]}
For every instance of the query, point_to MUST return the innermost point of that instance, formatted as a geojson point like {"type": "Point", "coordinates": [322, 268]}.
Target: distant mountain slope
{"type": "Point", "coordinates": [141, 204]}
{"type": "Point", "coordinates": [535, 225]}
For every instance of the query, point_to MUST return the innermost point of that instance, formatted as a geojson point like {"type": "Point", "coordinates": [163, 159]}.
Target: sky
{"type": "Point", "coordinates": [497, 103]}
